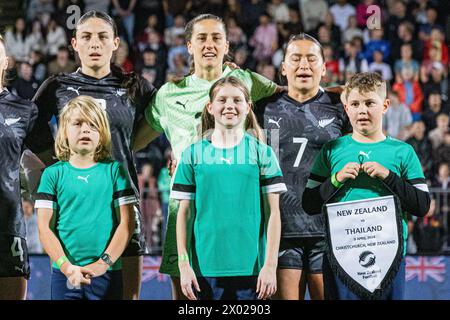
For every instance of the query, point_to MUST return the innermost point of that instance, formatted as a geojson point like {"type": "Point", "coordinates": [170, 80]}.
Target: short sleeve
{"type": "Point", "coordinates": [271, 177]}
{"type": "Point", "coordinates": [46, 197]}
{"type": "Point", "coordinates": [154, 110]}
{"type": "Point", "coordinates": [261, 86]}
{"type": "Point", "coordinates": [123, 194]}
{"type": "Point", "coordinates": [184, 183]}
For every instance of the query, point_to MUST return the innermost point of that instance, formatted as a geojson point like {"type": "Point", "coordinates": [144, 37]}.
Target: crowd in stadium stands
{"type": "Point", "coordinates": [409, 49]}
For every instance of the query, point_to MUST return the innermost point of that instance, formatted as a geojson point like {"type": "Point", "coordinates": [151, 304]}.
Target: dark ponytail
{"type": "Point", "coordinates": [130, 82]}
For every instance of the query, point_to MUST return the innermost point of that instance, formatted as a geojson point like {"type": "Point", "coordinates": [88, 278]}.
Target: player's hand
{"type": "Point", "coordinates": [281, 89]}
{"type": "Point", "coordinates": [267, 282]}
{"type": "Point", "coordinates": [231, 65]}
{"type": "Point", "coordinates": [172, 167]}
{"type": "Point", "coordinates": [98, 268]}
{"type": "Point", "coordinates": [375, 170]}
{"type": "Point", "coordinates": [349, 171]}
{"type": "Point", "coordinates": [335, 89]}
{"type": "Point", "coordinates": [187, 280]}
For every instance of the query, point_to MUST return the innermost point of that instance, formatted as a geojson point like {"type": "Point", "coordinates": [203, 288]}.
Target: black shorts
{"type": "Point", "coordinates": [302, 254]}
{"type": "Point", "coordinates": [136, 246]}
{"type": "Point", "coordinates": [13, 257]}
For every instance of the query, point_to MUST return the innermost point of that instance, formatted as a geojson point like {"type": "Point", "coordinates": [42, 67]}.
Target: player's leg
{"type": "Point", "coordinates": [13, 288]}
{"type": "Point", "coordinates": [132, 261]}
{"type": "Point", "coordinates": [289, 272]}
{"type": "Point", "coordinates": [14, 268]}
{"type": "Point", "coordinates": [314, 256]}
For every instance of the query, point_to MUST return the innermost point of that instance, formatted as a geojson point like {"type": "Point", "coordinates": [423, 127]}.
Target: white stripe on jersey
{"type": "Point", "coordinates": [274, 188]}
{"type": "Point", "coordinates": [422, 186]}
{"type": "Point", "coordinates": [179, 195]}
{"type": "Point", "coordinates": [124, 201]}
{"type": "Point", "coordinates": [45, 204]}
{"type": "Point", "coordinates": [312, 184]}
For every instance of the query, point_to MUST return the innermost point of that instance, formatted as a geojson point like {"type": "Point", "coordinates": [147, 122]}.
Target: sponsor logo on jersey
{"type": "Point", "coordinates": [325, 122]}
{"type": "Point", "coordinates": [277, 123]}
{"type": "Point", "coordinates": [102, 103]}
{"type": "Point", "coordinates": [77, 91]}
{"type": "Point", "coordinates": [120, 92]}
{"type": "Point", "coordinates": [85, 179]}
{"type": "Point", "coordinates": [11, 121]}
{"type": "Point", "coordinates": [367, 155]}
{"type": "Point", "coordinates": [226, 160]}
{"type": "Point", "coordinates": [182, 104]}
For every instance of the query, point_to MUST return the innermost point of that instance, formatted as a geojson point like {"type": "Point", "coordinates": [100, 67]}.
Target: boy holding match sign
{"type": "Point", "coordinates": [366, 182]}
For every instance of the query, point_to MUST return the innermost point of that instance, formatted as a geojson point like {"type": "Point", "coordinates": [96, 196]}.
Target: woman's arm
{"type": "Point", "coordinates": [267, 279]}
{"type": "Point", "coordinates": [187, 275]}
{"type": "Point", "coordinates": [144, 135]}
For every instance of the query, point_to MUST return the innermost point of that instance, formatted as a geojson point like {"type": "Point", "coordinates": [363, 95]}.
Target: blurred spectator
{"type": "Point", "coordinates": [177, 30]}
{"type": "Point", "coordinates": [153, 24]}
{"type": "Point", "coordinates": [252, 10]}
{"type": "Point", "coordinates": [429, 231]}
{"type": "Point", "coordinates": [99, 5]}
{"type": "Point", "coordinates": [397, 119]}
{"type": "Point", "coordinates": [377, 43]}
{"type": "Point", "coordinates": [352, 30]}
{"type": "Point", "coordinates": [266, 70]}
{"type": "Point", "coordinates": [123, 11]}
{"type": "Point", "coordinates": [422, 146]}
{"type": "Point", "coordinates": [279, 11]}
{"type": "Point", "coordinates": [434, 108]}
{"type": "Point", "coordinates": [234, 10]}
{"type": "Point", "coordinates": [437, 82]}
{"type": "Point", "coordinates": [406, 61]}
{"type": "Point", "coordinates": [351, 62]}
{"type": "Point", "coordinates": [397, 15]}
{"type": "Point", "coordinates": [235, 35]}
{"type": "Point", "coordinates": [31, 226]}
{"type": "Point", "coordinates": [15, 41]}
{"type": "Point", "coordinates": [121, 58]}
{"type": "Point", "coordinates": [178, 48]}
{"type": "Point", "coordinates": [292, 27]}
{"type": "Point", "coordinates": [325, 39]}
{"type": "Point", "coordinates": [36, 8]}
{"type": "Point", "coordinates": [381, 67]}
{"type": "Point", "coordinates": [26, 85]}
{"type": "Point", "coordinates": [425, 29]}
{"type": "Point", "coordinates": [313, 13]}
{"type": "Point", "coordinates": [410, 92]}
{"type": "Point", "coordinates": [362, 14]}
{"type": "Point", "coordinates": [61, 63]}
{"type": "Point", "coordinates": [405, 34]}
{"type": "Point", "coordinates": [341, 11]}
{"type": "Point", "coordinates": [35, 39]}
{"type": "Point", "coordinates": [39, 67]}
{"type": "Point", "coordinates": [436, 41]}
{"type": "Point", "coordinates": [153, 42]}
{"type": "Point", "coordinates": [241, 58]}
{"type": "Point", "coordinates": [56, 37]}
{"type": "Point", "coordinates": [150, 69]}
{"type": "Point", "coordinates": [442, 154]}
{"type": "Point", "coordinates": [179, 67]}
{"type": "Point", "coordinates": [437, 135]}
{"type": "Point", "coordinates": [335, 31]}
{"type": "Point", "coordinates": [331, 65]}
{"type": "Point", "coordinates": [265, 39]}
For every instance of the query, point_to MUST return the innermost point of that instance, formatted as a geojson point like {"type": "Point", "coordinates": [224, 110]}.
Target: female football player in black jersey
{"type": "Point", "coordinates": [17, 117]}
{"type": "Point", "coordinates": [123, 97]}
{"type": "Point", "coordinates": [298, 122]}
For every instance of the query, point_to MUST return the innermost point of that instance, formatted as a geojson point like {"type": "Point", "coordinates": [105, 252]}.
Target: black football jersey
{"type": "Point", "coordinates": [17, 117]}
{"type": "Point", "coordinates": [123, 114]}
{"type": "Point", "coordinates": [297, 131]}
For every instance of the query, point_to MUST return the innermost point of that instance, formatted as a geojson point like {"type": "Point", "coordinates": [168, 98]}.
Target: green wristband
{"type": "Point", "coordinates": [183, 257]}
{"type": "Point", "coordinates": [61, 261]}
{"type": "Point", "coordinates": [334, 181]}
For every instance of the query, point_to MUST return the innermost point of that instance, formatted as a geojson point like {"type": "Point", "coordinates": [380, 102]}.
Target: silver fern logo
{"type": "Point", "coordinates": [325, 122]}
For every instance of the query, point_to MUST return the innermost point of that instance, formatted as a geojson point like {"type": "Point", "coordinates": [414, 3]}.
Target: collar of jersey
{"type": "Point", "coordinates": [366, 143]}
{"type": "Point", "coordinates": [316, 96]}
{"type": "Point", "coordinates": [225, 72]}
{"type": "Point", "coordinates": [93, 78]}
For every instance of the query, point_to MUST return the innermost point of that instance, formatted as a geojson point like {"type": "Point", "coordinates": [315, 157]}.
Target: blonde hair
{"type": "Point", "coordinates": [251, 123]}
{"type": "Point", "coordinates": [91, 112]}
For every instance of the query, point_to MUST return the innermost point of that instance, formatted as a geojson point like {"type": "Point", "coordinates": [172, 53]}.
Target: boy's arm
{"type": "Point", "coordinates": [123, 233]}
{"type": "Point", "coordinates": [317, 191]}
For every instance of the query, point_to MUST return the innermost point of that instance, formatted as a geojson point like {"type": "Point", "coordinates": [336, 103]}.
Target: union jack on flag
{"type": "Point", "coordinates": [424, 267]}
{"type": "Point", "coordinates": [150, 269]}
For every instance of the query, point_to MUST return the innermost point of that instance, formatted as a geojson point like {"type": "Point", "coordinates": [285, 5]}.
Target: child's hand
{"type": "Point", "coordinates": [98, 268]}
{"type": "Point", "coordinates": [172, 167]}
{"type": "Point", "coordinates": [267, 282]}
{"type": "Point", "coordinates": [77, 275]}
{"type": "Point", "coordinates": [375, 170]}
{"type": "Point", "coordinates": [349, 171]}
{"type": "Point", "coordinates": [187, 279]}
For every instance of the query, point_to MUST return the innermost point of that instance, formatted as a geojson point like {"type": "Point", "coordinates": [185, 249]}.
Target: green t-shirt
{"type": "Point", "coordinates": [84, 203]}
{"type": "Point", "coordinates": [395, 155]}
{"type": "Point", "coordinates": [226, 184]}
{"type": "Point", "coordinates": [176, 108]}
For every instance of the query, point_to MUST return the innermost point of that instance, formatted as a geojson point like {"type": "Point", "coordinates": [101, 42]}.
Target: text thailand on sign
{"type": "Point", "coordinates": [364, 238]}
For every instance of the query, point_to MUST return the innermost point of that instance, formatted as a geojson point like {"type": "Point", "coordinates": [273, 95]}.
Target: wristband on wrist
{"type": "Point", "coordinates": [334, 181]}
{"type": "Point", "coordinates": [183, 257]}
{"type": "Point", "coordinates": [61, 261]}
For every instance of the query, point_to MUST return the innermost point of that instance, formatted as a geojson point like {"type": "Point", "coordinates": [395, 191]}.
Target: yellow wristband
{"type": "Point", "coordinates": [334, 181]}
{"type": "Point", "coordinates": [61, 261]}
{"type": "Point", "coordinates": [183, 257]}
